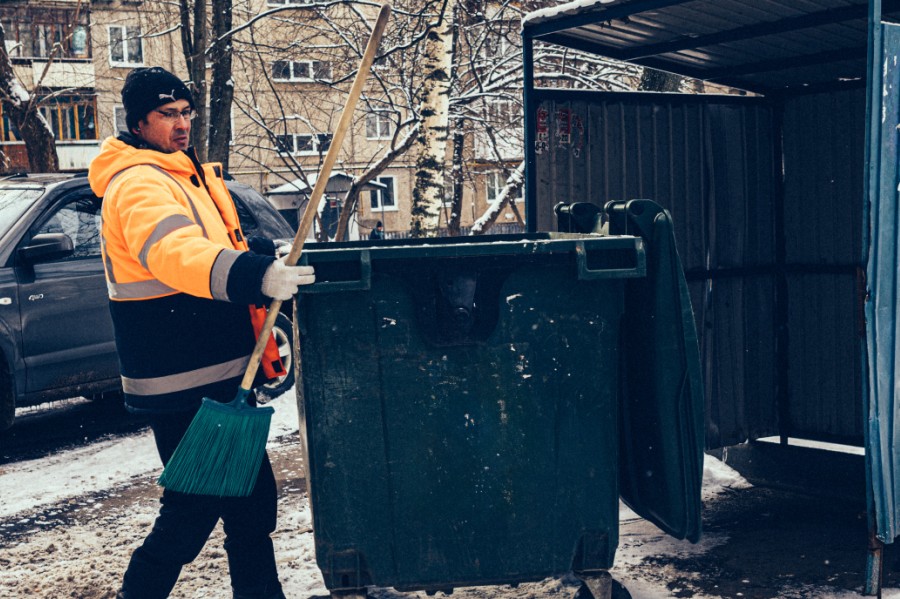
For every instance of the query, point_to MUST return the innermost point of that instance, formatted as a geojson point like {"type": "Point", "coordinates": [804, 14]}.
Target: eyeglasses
{"type": "Point", "coordinates": [172, 116]}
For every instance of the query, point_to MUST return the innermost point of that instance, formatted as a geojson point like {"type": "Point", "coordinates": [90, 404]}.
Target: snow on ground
{"type": "Point", "coordinates": [68, 524]}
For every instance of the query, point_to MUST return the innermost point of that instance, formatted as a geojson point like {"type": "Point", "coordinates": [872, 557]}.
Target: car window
{"type": "Point", "coordinates": [258, 217]}
{"type": "Point", "coordinates": [78, 216]}
{"type": "Point", "coordinates": [248, 223]}
{"type": "Point", "coordinates": [13, 204]}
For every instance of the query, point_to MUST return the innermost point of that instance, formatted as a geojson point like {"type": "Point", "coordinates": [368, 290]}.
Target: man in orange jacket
{"type": "Point", "coordinates": [187, 295]}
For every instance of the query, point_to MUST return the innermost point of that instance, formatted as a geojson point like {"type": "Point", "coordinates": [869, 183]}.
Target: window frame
{"type": "Point", "coordinates": [381, 118]}
{"type": "Point", "coordinates": [493, 186]}
{"type": "Point", "coordinates": [124, 29]}
{"type": "Point", "coordinates": [116, 111]}
{"type": "Point", "coordinates": [375, 202]}
{"type": "Point", "coordinates": [64, 116]}
{"type": "Point", "coordinates": [83, 248]}
{"type": "Point", "coordinates": [496, 46]}
{"type": "Point", "coordinates": [502, 112]}
{"type": "Point", "coordinates": [310, 64]}
{"type": "Point", "coordinates": [315, 141]}
{"type": "Point", "coordinates": [26, 26]}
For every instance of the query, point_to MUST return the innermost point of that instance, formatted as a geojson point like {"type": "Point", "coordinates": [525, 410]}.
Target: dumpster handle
{"type": "Point", "coordinates": [585, 273]}
{"type": "Point", "coordinates": [363, 283]}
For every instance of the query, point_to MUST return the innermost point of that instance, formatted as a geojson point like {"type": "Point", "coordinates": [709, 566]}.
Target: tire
{"type": "Point", "coordinates": [284, 338]}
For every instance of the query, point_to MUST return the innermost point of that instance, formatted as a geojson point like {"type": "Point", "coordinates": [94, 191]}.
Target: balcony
{"type": "Point", "coordinates": [60, 74]}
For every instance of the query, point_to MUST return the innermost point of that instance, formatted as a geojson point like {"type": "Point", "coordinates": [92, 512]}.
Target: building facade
{"type": "Point", "coordinates": [290, 79]}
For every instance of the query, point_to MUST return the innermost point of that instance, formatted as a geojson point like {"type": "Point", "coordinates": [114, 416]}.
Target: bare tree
{"type": "Point", "coordinates": [192, 14]}
{"type": "Point", "coordinates": [295, 62]}
{"type": "Point", "coordinates": [319, 46]}
{"type": "Point", "coordinates": [221, 92]}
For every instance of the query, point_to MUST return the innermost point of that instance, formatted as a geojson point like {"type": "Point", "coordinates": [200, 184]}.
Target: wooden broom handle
{"type": "Point", "coordinates": [309, 212]}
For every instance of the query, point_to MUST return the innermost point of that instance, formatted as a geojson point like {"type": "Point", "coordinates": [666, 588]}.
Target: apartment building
{"type": "Point", "coordinates": [287, 76]}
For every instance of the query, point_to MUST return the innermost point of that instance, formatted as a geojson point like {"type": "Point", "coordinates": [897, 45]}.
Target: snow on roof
{"type": "Point", "coordinates": [298, 186]}
{"type": "Point", "coordinates": [554, 12]}
{"type": "Point", "coordinates": [295, 186]}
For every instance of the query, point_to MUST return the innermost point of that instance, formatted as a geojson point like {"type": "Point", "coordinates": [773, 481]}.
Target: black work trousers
{"type": "Point", "coordinates": [186, 521]}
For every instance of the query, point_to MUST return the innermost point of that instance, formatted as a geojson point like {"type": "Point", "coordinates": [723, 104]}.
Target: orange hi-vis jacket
{"type": "Point", "coordinates": [180, 276]}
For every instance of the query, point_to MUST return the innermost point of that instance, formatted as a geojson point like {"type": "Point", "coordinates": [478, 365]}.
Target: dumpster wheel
{"type": "Point", "coordinates": [600, 586]}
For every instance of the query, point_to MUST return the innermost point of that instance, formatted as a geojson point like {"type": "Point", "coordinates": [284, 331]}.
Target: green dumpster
{"type": "Point", "coordinates": [459, 402]}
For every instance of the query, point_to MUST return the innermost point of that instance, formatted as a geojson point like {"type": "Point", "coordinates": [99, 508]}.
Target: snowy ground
{"type": "Point", "coordinates": [68, 523]}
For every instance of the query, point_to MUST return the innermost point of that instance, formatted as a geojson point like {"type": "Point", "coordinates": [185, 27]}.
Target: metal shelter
{"type": "Point", "coordinates": [784, 200]}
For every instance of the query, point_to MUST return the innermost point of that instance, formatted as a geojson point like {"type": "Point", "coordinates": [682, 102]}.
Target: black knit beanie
{"type": "Point", "coordinates": [148, 87]}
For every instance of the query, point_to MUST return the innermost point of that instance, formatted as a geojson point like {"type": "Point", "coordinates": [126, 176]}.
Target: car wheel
{"type": "Point", "coordinates": [284, 339]}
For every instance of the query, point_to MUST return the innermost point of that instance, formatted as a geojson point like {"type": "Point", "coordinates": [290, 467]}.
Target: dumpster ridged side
{"type": "Point", "coordinates": [442, 459]}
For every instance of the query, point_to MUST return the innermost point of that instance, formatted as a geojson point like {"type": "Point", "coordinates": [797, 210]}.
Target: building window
{"type": "Point", "coordinates": [496, 46]}
{"type": "Point", "coordinates": [10, 131]}
{"type": "Point", "coordinates": [125, 46]}
{"type": "Point", "coordinates": [494, 182]}
{"type": "Point", "coordinates": [71, 118]}
{"type": "Point", "coordinates": [384, 199]}
{"type": "Point", "coordinates": [303, 144]}
{"type": "Point", "coordinates": [378, 125]}
{"type": "Point", "coordinates": [119, 122]}
{"type": "Point", "coordinates": [502, 112]}
{"type": "Point", "coordinates": [301, 70]}
{"type": "Point", "coordinates": [33, 32]}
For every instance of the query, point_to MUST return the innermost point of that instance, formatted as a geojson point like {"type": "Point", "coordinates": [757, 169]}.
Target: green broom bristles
{"type": "Point", "coordinates": [221, 452]}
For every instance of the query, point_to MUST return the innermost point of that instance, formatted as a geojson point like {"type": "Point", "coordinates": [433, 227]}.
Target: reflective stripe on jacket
{"type": "Point", "coordinates": [180, 277]}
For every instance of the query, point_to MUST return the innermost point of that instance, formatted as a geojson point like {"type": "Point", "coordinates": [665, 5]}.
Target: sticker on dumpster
{"type": "Point", "coordinates": [542, 139]}
{"type": "Point", "coordinates": [564, 127]}
{"type": "Point", "coordinates": [578, 126]}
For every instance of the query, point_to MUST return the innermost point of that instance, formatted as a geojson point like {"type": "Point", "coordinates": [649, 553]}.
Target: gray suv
{"type": "Point", "coordinates": [56, 335]}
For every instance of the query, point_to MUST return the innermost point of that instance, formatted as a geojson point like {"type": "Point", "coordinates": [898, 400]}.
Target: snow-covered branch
{"type": "Point", "coordinates": [513, 184]}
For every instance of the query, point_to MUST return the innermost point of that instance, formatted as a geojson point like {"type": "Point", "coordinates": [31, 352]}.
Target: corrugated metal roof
{"type": "Point", "coordinates": [764, 46]}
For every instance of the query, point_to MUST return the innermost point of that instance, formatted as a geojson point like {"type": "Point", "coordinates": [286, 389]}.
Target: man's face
{"type": "Point", "coordinates": [166, 128]}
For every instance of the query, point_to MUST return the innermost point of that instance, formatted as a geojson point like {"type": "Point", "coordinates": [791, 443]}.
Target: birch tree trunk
{"type": "Point", "coordinates": [427, 197]}
{"type": "Point", "coordinates": [462, 16]}
{"type": "Point", "coordinates": [221, 92]}
{"type": "Point", "coordinates": [22, 110]}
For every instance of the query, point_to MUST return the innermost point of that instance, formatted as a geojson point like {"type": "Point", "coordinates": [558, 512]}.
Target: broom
{"type": "Point", "coordinates": [221, 452]}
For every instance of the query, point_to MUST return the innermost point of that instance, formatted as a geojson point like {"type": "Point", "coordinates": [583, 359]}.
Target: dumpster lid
{"type": "Point", "coordinates": [779, 46]}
